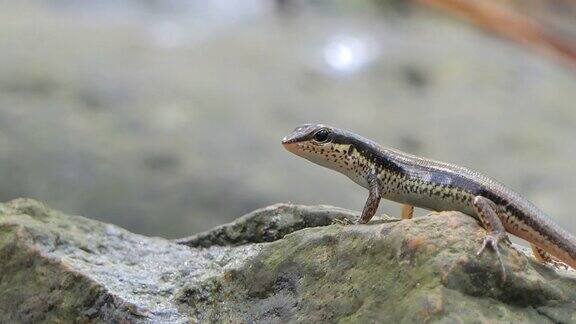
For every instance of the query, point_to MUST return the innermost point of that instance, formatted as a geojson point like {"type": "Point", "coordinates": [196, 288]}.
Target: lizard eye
{"type": "Point", "coordinates": [322, 136]}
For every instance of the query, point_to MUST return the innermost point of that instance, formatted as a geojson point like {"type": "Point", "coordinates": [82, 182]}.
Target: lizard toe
{"type": "Point", "coordinates": [492, 241]}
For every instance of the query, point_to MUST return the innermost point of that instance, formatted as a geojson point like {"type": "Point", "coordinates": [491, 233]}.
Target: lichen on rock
{"type": "Point", "coordinates": [281, 263]}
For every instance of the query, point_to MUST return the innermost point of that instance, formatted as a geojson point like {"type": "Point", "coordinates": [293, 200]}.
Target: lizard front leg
{"type": "Point", "coordinates": [373, 200]}
{"type": "Point", "coordinates": [487, 213]}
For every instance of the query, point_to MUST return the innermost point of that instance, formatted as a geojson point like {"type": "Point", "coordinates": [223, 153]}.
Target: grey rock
{"type": "Point", "coordinates": [269, 224]}
{"type": "Point", "coordinates": [281, 263]}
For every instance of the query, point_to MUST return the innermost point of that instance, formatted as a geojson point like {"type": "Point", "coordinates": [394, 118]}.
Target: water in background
{"type": "Point", "coordinates": [166, 116]}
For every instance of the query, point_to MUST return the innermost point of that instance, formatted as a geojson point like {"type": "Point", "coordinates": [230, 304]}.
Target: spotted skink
{"type": "Point", "coordinates": [434, 185]}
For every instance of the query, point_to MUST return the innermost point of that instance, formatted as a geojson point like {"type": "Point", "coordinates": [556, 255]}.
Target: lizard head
{"type": "Point", "coordinates": [324, 145]}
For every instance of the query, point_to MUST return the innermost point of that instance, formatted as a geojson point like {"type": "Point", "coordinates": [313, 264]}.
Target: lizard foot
{"type": "Point", "coordinates": [389, 219]}
{"type": "Point", "coordinates": [487, 212]}
{"type": "Point", "coordinates": [492, 240]}
{"type": "Point", "coordinates": [342, 222]}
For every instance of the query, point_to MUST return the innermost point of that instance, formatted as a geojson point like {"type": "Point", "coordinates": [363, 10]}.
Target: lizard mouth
{"type": "Point", "coordinates": [290, 145]}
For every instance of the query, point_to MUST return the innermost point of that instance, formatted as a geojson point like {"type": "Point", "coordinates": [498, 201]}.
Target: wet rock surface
{"type": "Point", "coordinates": [269, 266]}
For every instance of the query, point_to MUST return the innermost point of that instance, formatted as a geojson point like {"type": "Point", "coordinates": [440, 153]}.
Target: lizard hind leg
{"type": "Point", "coordinates": [540, 255]}
{"type": "Point", "coordinates": [407, 211]}
{"type": "Point", "coordinates": [487, 213]}
{"type": "Point", "coordinates": [545, 257]}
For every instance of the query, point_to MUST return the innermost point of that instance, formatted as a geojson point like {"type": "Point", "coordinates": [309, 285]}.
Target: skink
{"type": "Point", "coordinates": [434, 185]}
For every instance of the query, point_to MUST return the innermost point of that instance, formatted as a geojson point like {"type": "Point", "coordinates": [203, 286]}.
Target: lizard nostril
{"type": "Point", "coordinates": [286, 140]}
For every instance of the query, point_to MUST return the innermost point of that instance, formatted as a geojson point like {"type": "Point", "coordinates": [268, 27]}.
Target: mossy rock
{"type": "Point", "coordinates": [281, 263]}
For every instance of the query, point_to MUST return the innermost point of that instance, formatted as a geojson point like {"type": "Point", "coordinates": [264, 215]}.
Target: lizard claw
{"type": "Point", "coordinates": [492, 241]}
{"type": "Point", "coordinates": [342, 222]}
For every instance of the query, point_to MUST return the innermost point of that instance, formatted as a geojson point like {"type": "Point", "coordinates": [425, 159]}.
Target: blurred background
{"type": "Point", "coordinates": [165, 116]}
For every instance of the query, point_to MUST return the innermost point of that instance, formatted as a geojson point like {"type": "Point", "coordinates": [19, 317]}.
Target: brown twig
{"type": "Point", "coordinates": [509, 24]}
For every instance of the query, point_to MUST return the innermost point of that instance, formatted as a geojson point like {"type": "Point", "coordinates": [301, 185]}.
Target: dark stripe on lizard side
{"type": "Point", "coordinates": [368, 150]}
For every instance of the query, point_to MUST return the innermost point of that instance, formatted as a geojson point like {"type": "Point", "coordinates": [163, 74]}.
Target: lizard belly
{"type": "Point", "coordinates": [444, 199]}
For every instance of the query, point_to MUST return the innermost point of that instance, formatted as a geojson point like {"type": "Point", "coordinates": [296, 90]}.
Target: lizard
{"type": "Point", "coordinates": [434, 185]}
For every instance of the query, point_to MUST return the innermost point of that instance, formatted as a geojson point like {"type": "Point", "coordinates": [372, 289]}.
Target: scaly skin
{"type": "Point", "coordinates": [433, 185]}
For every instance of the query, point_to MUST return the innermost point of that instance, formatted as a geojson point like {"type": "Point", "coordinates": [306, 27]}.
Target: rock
{"type": "Point", "coordinates": [56, 267]}
{"type": "Point", "coordinates": [268, 224]}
